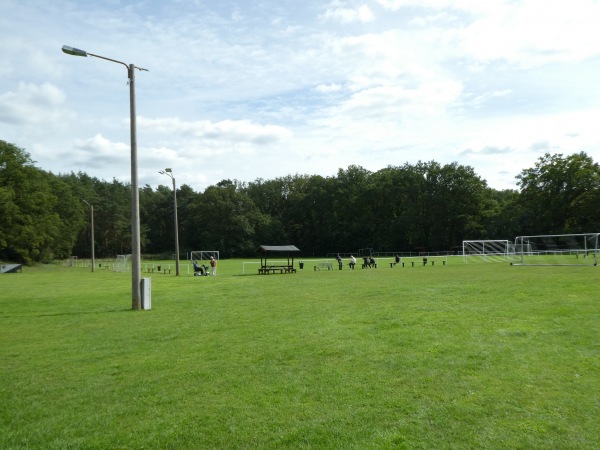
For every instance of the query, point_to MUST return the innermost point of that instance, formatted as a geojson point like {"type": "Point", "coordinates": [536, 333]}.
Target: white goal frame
{"type": "Point", "coordinates": [557, 250]}
{"type": "Point", "coordinates": [71, 261]}
{"type": "Point", "coordinates": [487, 250]}
{"type": "Point", "coordinates": [201, 255]}
{"type": "Point", "coordinates": [121, 263]}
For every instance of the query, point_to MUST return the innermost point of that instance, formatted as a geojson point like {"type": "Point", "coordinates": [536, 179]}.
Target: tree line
{"type": "Point", "coordinates": [414, 207]}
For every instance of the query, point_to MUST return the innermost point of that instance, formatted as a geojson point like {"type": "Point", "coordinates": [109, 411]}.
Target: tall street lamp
{"type": "Point", "coordinates": [169, 173]}
{"type": "Point", "coordinates": [136, 256]}
{"type": "Point", "coordinates": [92, 231]}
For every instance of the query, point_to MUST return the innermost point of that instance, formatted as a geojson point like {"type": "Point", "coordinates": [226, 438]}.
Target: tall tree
{"type": "Point", "coordinates": [113, 233]}
{"type": "Point", "coordinates": [156, 217]}
{"type": "Point", "coordinates": [457, 205]}
{"type": "Point", "coordinates": [560, 194]}
{"type": "Point", "coordinates": [30, 226]}
{"type": "Point", "coordinates": [351, 214]}
{"type": "Point", "coordinates": [228, 220]}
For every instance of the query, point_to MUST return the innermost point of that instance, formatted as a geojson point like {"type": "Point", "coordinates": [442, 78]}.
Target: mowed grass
{"type": "Point", "coordinates": [447, 357]}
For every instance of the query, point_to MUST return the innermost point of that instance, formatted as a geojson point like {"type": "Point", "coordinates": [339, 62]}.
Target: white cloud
{"type": "Point", "coordinates": [376, 59]}
{"type": "Point", "coordinates": [471, 6]}
{"type": "Point", "coordinates": [535, 33]}
{"type": "Point", "coordinates": [529, 32]}
{"type": "Point", "coordinates": [435, 19]}
{"type": "Point", "coordinates": [328, 88]}
{"type": "Point", "coordinates": [480, 100]}
{"type": "Point", "coordinates": [337, 11]}
{"type": "Point", "coordinates": [33, 104]}
{"type": "Point", "coordinates": [224, 131]}
{"type": "Point", "coordinates": [380, 102]}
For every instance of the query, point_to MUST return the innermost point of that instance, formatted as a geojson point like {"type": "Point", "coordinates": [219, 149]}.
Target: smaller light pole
{"type": "Point", "coordinates": [92, 231]}
{"type": "Point", "coordinates": [169, 173]}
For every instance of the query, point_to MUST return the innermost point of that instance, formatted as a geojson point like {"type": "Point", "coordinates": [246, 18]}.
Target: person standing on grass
{"type": "Point", "coordinates": [213, 266]}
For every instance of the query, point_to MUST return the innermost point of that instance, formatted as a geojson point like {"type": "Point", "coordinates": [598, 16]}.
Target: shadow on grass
{"type": "Point", "coordinates": [81, 313]}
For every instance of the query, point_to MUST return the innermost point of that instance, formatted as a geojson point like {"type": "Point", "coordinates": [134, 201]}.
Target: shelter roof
{"type": "Point", "coordinates": [277, 248]}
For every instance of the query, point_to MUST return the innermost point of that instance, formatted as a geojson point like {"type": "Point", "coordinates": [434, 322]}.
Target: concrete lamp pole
{"type": "Point", "coordinates": [92, 231]}
{"type": "Point", "coordinates": [136, 254]}
{"type": "Point", "coordinates": [169, 173]}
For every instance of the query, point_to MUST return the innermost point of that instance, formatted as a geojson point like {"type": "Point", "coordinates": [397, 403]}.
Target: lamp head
{"type": "Point", "coordinates": [168, 170]}
{"type": "Point", "coordinates": [73, 51]}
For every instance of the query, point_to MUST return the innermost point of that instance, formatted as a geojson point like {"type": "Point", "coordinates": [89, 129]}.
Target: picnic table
{"type": "Point", "coordinates": [265, 270]}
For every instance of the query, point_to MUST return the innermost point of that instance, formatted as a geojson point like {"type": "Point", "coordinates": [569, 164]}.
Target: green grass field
{"type": "Point", "coordinates": [453, 356]}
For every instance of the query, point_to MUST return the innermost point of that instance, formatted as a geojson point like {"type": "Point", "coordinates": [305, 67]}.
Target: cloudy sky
{"type": "Point", "coordinates": [253, 89]}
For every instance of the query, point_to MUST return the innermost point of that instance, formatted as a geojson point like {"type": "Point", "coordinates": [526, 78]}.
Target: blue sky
{"type": "Point", "coordinates": [262, 89]}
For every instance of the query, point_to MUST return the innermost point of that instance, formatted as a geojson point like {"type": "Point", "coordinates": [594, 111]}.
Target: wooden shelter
{"type": "Point", "coordinates": [277, 252]}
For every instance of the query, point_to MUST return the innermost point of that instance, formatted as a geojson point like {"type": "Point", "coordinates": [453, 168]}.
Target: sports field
{"type": "Point", "coordinates": [451, 356]}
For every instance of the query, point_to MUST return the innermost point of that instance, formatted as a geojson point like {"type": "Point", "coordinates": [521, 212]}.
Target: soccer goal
{"type": "Point", "coordinates": [121, 263]}
{"type": "Point", "coordinates": [487, 251]}
{"type": "Point", "coordinates": [557, 250]}
{"type": "Point", "coordinates": [201, 255]}
{"type": "Point", "coordinates": [71, 261]}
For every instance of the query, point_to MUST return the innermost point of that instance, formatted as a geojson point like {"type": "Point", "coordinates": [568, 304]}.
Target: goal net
{"type": "Point", "coordinates": [121, 263]}
{"type": "Point", "coordinates": [201, 255]}
{"type": "Point", "coordinates": [557, 250]}
{"type": "Point", "coordinates": [71, 261]}
{"type": "Point", "coordinates": [487, 251]}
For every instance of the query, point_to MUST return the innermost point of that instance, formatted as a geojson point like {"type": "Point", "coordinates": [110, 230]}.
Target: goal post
{"type": "Point", "coordinates": [557, 250]}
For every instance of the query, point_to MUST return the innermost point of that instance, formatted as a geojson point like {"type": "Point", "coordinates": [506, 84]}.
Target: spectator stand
{"type": "Point", "coordinates": [279, 265]}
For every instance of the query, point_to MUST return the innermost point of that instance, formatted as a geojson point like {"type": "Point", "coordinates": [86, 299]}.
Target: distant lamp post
{"type": "Point", "coordinates": [136, 254]}
{"type": "Point", "coordinates": [92, 231]}
{"type": "Point", "coordinates": [169, 173]}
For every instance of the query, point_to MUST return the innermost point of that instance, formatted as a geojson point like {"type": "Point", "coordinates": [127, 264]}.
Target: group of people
{"type": "Point", "coordinates": [368, 261]}
{"type": "Point", "coordinates": [198, 270]}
